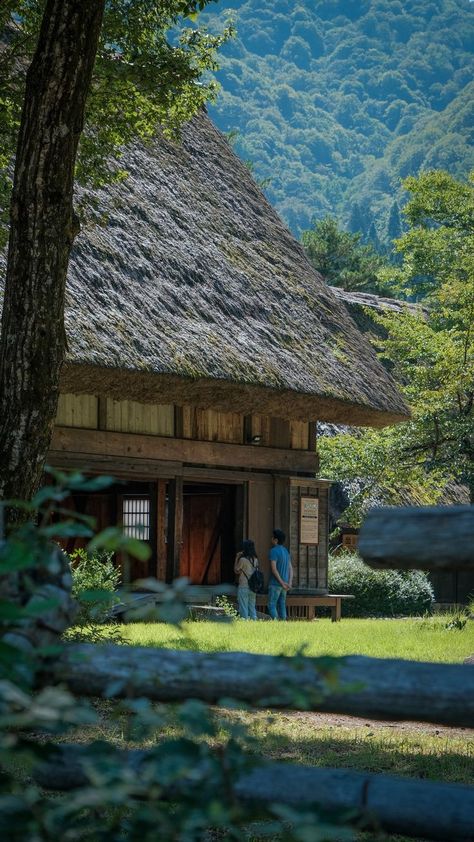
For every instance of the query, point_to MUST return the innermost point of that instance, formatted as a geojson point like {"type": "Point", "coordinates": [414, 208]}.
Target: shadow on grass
{"type": "Point", "coordinates": [373, 752]}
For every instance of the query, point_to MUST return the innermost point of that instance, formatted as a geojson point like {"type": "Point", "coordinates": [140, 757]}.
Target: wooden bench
{"type": "Point", "coordinates": [309, 603]}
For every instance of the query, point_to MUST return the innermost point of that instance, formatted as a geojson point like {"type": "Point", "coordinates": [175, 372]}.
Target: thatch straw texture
{"type": "Point", "coordinates": [195, 292]}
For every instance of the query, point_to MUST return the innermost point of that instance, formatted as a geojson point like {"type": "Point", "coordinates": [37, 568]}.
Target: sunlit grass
{"type": "Point", "coordinates": [413, 639]}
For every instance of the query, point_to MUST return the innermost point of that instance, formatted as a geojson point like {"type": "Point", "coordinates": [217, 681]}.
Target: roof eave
{"type": "Point", "coordinates": [225, 396]}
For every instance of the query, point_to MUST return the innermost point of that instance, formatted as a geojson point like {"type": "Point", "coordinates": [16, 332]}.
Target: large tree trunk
{"type": "Point", "coordinates": [43, 227]}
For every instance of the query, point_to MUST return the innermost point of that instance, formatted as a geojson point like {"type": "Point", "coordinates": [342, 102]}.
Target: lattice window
{"type": "Point", "coordinates": [136, 517]}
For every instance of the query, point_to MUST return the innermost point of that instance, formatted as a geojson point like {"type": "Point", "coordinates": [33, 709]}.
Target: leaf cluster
{"type": "Point", "coordinates": [431, 354]}
{"type": "Point", "coordinates": [151, 70]}
{"type": "Point", "coordinates": [341, 257]}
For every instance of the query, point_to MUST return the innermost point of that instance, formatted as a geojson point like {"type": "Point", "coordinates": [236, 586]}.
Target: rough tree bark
{"type": "Point", "coordinates": [419, 538]}
{"type": "Point", "coordinates": [43, 227]}
{"type": "Point", "coordinates": [354, 685]}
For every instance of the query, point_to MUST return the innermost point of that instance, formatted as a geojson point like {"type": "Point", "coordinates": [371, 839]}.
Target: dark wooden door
{"type": "Point", "coordinates": [201, 553]}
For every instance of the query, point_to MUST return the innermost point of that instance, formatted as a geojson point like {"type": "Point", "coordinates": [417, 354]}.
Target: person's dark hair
{"type": "Point", "coordinates": [248, 549]}
{"type": "Point", "coordinates": [279, 536]}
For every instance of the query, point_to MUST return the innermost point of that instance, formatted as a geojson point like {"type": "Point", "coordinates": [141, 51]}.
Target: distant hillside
{"type": "Point", "coordinates": [335, 100]}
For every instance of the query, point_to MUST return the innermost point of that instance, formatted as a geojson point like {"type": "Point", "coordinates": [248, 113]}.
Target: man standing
{"type": "Point", "coordinates": [281, 576]}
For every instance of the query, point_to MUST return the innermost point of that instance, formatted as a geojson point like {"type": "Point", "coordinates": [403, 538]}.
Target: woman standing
{"type": "Point", "coordinates": [246, 562]}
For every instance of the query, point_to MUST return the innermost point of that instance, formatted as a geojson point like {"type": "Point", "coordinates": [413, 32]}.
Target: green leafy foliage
{"type": "Point", "coordinates": [143, 78]}
{"type": "Point", "coordinates": [431, 354]}
{"type": "Point", "coordinates": [341, 258]}
{"type": "Point", "coordinates": [95, 580]}
{"type": "Point", "coordinates": [336, 101]}
{"type": "Point", "coordinates": [379, 593]}
{"type": "Point", "coordinates": [227, 606]}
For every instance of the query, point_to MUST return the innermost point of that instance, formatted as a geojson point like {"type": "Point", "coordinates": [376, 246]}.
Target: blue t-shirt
{"type": "Point", "coordinates": [281, 556]}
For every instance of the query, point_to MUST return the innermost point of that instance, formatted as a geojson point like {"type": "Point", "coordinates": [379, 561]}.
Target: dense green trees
{"type": "Point", "coordinates": [432, 356]}
{"type": "Point", "coordinates": [341, 258]}
{"type": "Point", "coordinates": [336, 100]}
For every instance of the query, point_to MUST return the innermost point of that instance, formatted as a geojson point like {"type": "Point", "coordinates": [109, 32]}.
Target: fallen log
{"type": "Point", "coordinates": [397, 805]}
{"type": "Point", "coordinates": [354, 685]}
{"type": "Point", "coordinates": [420, 538]}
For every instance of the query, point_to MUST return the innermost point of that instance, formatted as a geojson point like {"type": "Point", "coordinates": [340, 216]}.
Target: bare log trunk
{"type": "Point", "coordinates": [396, 805]}
{"type": "Point", "coordinates": [358, 686]}
{"type": "Point", "coordinates": [420, 538]}
{"type": "Point", "coordinates": [43, 227]}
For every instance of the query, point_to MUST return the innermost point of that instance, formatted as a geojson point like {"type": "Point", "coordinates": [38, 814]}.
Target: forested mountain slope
{"type": "Point", "coordinates": [336, 100]}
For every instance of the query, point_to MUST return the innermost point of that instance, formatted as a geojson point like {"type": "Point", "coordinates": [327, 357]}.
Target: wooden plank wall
{"type": "Point", "coordinates": [209, 425]}
{"type": "Point", "coordinates": [134, 417]}
{"type": "Point", "coordinates": [91, 412]}
{"type": "Point", "coordinates": [310, 561]}
{"type": "Point", "coordinates": [77, 411]}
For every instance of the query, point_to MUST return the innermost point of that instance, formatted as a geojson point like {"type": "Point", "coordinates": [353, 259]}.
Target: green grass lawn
{"type": "Point", "coordinates": [414, 750]}
{"type": "Point", "coordinates": [414, 639]}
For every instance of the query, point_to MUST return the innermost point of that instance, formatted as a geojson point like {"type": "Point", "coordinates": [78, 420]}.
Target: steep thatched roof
{"type": "Point", "coordinates": [195, 292]}
{"type": "Point", "coordinates": [360, 305]}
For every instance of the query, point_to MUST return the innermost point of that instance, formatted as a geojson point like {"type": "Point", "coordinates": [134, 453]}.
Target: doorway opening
{"type": "Point", "coordinates": [213, 528]}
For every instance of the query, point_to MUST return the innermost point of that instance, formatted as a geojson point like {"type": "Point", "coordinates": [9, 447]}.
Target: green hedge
{"type": "Point", "coordinates": [379, 593]}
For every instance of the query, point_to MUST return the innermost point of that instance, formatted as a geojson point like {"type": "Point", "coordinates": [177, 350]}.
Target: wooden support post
{"type": "Point", "coordinates": [101, 413]}
{"type": "Point", "coordinates": [161, 536]}
{"type": "Point", "coordinates": [312, 435]}
{"type": "Point", "coordinates": [175, 527]}
{"type": "Point", "coordinates": [178, 422]}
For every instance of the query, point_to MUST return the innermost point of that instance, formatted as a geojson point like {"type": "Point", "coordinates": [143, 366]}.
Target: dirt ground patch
{"type": "Point", "coordinates": [333, 720]}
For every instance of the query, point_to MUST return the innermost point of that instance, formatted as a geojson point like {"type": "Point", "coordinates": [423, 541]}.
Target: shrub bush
{"type": "Point", "coordinates": [379, 593]}
{"type": "Point", "coordinates": [94, 582]}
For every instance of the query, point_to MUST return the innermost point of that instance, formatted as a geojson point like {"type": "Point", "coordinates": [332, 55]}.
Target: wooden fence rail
{"type": "Point", "coordinates": [397, 805]}
{"type": "Point", "coordinates": [354, 685]}
{"type": "Point", "coordinates": [431, 538]}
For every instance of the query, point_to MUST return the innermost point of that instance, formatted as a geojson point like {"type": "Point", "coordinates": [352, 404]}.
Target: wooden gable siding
{"type": "Point", "coordinates": [187, 422]}
{"type": "Point", "coordinates": [209, 425]}
{"type": "Point", "coordinates": [133, 417]}
{"type": "Point", "coordinates": [78, 411]}
{"type": "Point", "coordinates": [299, 433]}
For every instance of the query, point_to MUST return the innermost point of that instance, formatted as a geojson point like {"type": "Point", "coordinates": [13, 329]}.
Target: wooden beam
{"type": "Point", "coordinates": [122, 468]}
{"type": "Point", "coordinates": [101, 413]}
{"type": "Point", "coordinates": [178, 422]}
{"type": "Point", "coordinates": [67, 440]}
{"type": "Point", "coordinates": [420, 538]}
{"type": "Point", "coordinates": [312, 435]}
{"type": "Point", "coordinates": [415, 808]}
{"type": "Point", "coordinates": [354, 685]}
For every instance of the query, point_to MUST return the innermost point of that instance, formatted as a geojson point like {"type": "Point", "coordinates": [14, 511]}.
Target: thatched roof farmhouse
{"type": "Point", "coordinates": [202, 349]}
{"type": "Point", "coordinates": [196, 292]}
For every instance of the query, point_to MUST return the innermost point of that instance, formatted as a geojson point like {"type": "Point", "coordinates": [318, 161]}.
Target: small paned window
{"type": "Point", "coordinates": [136, 517]}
